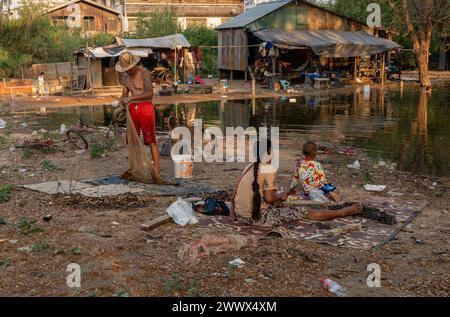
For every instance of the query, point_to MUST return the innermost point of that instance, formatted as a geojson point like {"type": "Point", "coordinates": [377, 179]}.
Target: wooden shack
{"type": "Point", "coordinates": [239, 41]}
{"type": "Point", "coordinates": [92, 17]}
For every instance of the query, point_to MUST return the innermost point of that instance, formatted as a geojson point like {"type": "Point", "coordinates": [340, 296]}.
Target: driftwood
{"type": "Point", "coordinates": [152, 224]}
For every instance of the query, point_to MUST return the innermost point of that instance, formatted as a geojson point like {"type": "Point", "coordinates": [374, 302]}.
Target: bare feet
{"type": "Point", "coordinates": [353, 209]}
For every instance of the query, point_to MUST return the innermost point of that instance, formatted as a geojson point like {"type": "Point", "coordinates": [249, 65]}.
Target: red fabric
{"type": "Point", "coordinates": [143, 116]}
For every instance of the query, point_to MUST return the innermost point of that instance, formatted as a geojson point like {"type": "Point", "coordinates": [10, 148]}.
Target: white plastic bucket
{"type": "Point", "coordinates": [183, 166]}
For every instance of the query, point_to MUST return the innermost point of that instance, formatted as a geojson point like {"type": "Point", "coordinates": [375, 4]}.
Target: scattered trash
{"type": "Point", "coordinates": [317, 195]}
{"type": "Point", "coordinates": [22, 170]}
{"type": "Point", "coordinates": [79, 152]}
{"type": "Point", "coordinates": [23, 125]}
{"type": "Point", "coordinates": [182, 213]}
{"type": "Point", "coordinates": [115, 223]}
{"type": "Point", "coordinates": [2, 124]}
{"type": "Point", "coordinates": [417, 241]}
{"type": "Point", "coordinates": [237, 262]}
{"type": "Point", "coordinates": [374, 188]}
{"type": "Point", "coordinates": [214, 244]}
{"type": "Point", "coordinates": [12, 149]}
{"type": "Point", "coordinates": [62, 129]}
{"type": "Point", "coordinates": [13, 241]}
{"type": "Point", "coordinates": [355, 165]}
{"type": "Point", "coordinates": [47, 218]}
{"type": "Point", "coordinates": [333, 287]}
{"type": "Point", "coordinates": [26, 249]}
{"type": "Point", "coordinates": [249, 281]}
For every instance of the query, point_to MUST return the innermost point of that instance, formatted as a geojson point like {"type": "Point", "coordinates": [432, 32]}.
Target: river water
{"type": "Point", "coordinates": [403, 126]}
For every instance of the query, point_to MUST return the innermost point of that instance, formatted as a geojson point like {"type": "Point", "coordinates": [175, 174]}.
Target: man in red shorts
{"type": "Point", "coordinates": [137, 94]}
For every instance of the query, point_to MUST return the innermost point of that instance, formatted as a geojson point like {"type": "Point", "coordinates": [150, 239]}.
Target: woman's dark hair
{"type": "Point", "coordinates": [256, 206]}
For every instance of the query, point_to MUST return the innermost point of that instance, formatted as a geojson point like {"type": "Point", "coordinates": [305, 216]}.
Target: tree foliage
{"type": "Point", "coordinates": [33, 38]}
{"type": "Point", "coordinates": [158, 23]}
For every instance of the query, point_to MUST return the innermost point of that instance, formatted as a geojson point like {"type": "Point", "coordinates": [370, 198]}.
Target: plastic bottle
{"type": "Point", "coordinates": [333, 287]}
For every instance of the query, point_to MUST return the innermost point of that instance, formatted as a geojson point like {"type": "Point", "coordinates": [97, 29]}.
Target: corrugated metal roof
{"type": "Point", "coordinates": [329, 43]}
{"type": "Point", "coordinates": [253, 14]}
{"type": "Point", "coordinates": [167, 41]}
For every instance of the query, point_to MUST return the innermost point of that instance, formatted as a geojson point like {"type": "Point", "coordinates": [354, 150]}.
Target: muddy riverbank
{"type": "Point", "coordinates": [119, 259]}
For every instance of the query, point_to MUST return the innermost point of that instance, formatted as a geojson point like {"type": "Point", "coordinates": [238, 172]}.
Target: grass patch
{"type": "Point", "coordinates": [5, 193]}
{"type": "Point", "coordinates": [49, 149]}
{"type": "Point", "coordinates": [26, 155]}
{"type": "Point", "coordinates": [39, 246]}
{"type": "Point", "coordinates": [27, 227]}
{"type": "Point", "coordinates": [49, 166]}
{"type": "Point", "coordinates": [98, 149]}
{"type": "Point", "coordinates": [4, 264]}
{"type": "Point", "coordinates": [122, 293]}
{"type": "Point", "coordinates": [52, 135]}
{"type": "Point", "coordinates": [76, 250]}
{"type": "Point", "coordinates": [193, 290]}
{"type": "Point", "coordinates": [3, 140]}
{"type": "Point", "coordinates": [172, 284]}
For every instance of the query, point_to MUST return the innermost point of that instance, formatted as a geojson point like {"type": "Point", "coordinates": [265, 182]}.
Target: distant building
{"type": "Point", "coordinates": [91, 16]}
{"type": "Point", "coordinates": [210, 13]}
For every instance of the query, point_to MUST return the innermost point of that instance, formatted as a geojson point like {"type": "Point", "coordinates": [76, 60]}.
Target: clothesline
{"type": "Point", "coordinates": [224, 46]}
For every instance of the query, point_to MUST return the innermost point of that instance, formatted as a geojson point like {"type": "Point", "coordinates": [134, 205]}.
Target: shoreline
{"type": "Point", "coordinates": [239, 90]}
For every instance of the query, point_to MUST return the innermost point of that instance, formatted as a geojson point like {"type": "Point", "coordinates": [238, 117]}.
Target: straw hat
{"type": "Point", "coordinates": [126, 62]}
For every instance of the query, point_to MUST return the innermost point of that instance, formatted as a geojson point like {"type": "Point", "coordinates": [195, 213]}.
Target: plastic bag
{"type": "Point", "coordinates": [317, 195]}
{"type": "Point", "coordinates": [182, 213]}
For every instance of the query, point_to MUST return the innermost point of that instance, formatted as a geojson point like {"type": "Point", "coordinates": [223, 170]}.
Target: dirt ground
{"type": "Point", "coordinates": [121, 260]}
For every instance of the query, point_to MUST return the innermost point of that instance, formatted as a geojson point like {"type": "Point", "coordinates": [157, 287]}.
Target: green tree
{"type": "Point", "coordinates": [33, 38]}
{"type": "Point", "coordinates": [158, 23]}
{"type": "Point", "coordinates": [203, 36]}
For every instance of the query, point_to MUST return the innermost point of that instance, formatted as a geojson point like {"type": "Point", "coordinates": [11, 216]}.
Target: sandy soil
{"type": "Point", "coordinates": [120, 260]}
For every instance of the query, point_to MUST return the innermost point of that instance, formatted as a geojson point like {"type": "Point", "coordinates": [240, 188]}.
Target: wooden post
{"type": "Point", "coordinates": [4, 83]}
{"type": "Point", "coordinates": [21, 71]}
{"type": "Point", "coordinates": [382, 69]}
{"type": "Point", "coordinates": [57, 74]}
{"type": "Point", "coordinates": [175, 63]}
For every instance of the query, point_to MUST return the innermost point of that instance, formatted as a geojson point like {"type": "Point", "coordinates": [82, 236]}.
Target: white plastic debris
{"type": "Point", "coordinates": [237, 262]}
{"type": "Point", "coordinates": [2, 124]}
{"type": "Point", "coordinates": [115, 223]}
{"type": "Point", "coordinates": [374, 188]}
{"type": "Point", "coordinates": [23, 125]}
{"type": "Point", "coordinates": [355, 165]}
{"type": "Point", "coordinates": [317, 195]}
{"type": "Point", "coordinates": [62, 129]}
{"type": "Point", "coordinates": [182, 213]}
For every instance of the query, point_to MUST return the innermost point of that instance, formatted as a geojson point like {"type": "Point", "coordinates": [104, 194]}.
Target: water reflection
{"type": "Point", "coordinates": [405, 126]}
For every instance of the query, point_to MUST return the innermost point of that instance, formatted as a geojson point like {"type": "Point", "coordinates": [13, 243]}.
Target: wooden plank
{"type": "Point", "coordinates": [152, 224]}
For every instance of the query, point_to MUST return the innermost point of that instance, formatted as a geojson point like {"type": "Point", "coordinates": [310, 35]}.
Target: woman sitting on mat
{"type": "Point", "coordinates": [256, 195]}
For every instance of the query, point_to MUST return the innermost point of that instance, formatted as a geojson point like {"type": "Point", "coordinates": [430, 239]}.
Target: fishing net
{"type": "Point", "coordinates": [140, 166]}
